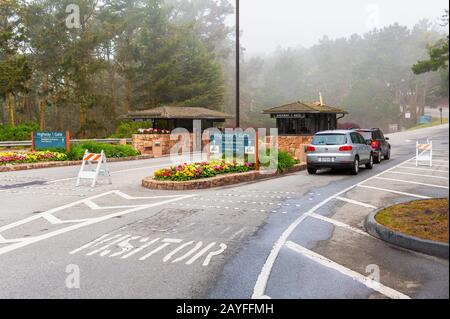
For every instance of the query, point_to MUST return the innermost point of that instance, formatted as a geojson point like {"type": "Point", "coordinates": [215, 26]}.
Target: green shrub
{"type": "Point", "coordinates": [20, 132]}
{"type": "Point", "coordinates": [127, 129]}
{"type": "Point", "coordinates": [285, 161]}
{"type": "Point", "coordinates": [112, 151]}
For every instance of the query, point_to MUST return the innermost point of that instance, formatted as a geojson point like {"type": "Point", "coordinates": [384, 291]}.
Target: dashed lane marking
{"type": "Point", "coordinates": [368, 282]}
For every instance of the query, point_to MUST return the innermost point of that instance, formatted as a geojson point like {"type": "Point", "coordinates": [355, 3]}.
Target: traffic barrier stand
{"type": "Point", "coordinates": [424, 152]}
{"type": "Point", "coordinates": [87, 171]}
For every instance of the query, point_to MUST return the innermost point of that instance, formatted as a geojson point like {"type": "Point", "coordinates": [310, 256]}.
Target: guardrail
{"type": "Point", "coordinates": [75, 141]}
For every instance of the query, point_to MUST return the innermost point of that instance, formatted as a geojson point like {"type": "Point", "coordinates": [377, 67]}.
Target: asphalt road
{"type": "Point", "coordinates": [297, 236]}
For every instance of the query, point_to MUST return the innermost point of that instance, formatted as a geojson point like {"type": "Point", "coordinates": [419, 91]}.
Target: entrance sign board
{"type": "Point", "coordinates": [232, 142]}
{"type": "Point", "coordinates": [46, 140]}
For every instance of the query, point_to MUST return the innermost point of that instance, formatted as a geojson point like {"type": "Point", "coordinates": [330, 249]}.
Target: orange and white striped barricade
{"type": "Point", "coordinates": [93, 166]}
{"type": "Point", "coordinates": [424, 152]}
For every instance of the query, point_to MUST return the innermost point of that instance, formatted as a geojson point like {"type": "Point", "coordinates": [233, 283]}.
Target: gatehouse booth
{"type": "Point", "coordinates": [172, 117]}
{"type": "Point", "coordinates": [305, 119]}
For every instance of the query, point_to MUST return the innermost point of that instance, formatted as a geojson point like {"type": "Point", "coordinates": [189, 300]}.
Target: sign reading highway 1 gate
{"type": "Point", "coordinates": [233, 143]}
{"type": "Point", "coordinates": [48, 140]}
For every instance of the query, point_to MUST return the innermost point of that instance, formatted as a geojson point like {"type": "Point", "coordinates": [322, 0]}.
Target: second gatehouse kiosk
{"type": "Point", "coordinates": [305, 119]}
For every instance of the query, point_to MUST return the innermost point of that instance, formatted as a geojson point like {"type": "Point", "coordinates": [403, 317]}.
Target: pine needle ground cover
{"type": "Point", "coordinates": [426, 219]}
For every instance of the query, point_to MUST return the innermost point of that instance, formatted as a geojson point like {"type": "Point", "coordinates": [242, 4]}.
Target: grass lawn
{"type": "Point", "coordinates": [426, 219]}
{"type": "Point", "coordinates": [436, 121]}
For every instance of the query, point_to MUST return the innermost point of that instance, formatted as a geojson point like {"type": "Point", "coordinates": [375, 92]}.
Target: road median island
{"type": "Point", "coordinates": [417, 225]}
{"type": "Point", "coordinates": [217, 181]}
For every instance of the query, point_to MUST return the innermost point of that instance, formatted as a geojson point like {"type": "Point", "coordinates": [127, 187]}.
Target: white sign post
{"type": "Point", "coordinates": [424, 152]}
{"type": "Point", "coordinates": [89, 160]}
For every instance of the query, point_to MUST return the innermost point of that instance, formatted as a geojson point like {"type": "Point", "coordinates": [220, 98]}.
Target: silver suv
{"type": "Point", "coordinates": [339, 149]}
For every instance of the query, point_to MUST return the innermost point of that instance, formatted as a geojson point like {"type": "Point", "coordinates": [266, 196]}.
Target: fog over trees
{"type": "Point", "coordinates": [135, 54]}
{"type": "Point", "coordinates": [369, 75]}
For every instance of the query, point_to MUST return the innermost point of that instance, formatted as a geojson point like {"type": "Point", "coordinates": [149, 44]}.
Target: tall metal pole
{"type": "Point", "coordinates": [238, 71]}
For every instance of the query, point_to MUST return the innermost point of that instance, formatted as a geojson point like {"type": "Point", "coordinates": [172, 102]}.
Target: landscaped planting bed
{"type": "Point", "coordinates": [31, 157]}
{"type": "Point", "coordinates": [187, 172]}
{"type": "Point", "coordinates": [216, 173]}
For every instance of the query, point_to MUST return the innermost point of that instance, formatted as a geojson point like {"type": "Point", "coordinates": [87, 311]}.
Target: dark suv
{"type": "Point", "coordinates": [380, 145]}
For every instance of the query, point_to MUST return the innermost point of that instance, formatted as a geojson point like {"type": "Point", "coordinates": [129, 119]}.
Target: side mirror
{"type": "Point", "coordinates": [387, 138]}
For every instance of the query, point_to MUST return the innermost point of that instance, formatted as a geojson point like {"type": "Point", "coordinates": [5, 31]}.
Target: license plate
{"type": "Point", "coordinates": [326, 159]}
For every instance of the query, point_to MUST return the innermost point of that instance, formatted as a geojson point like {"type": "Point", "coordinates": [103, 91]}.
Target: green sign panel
{"type": "Point", "coordinates": [46, 140]}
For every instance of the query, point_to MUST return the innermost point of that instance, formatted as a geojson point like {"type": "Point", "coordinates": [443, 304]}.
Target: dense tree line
{"type": "Point", "coordinates": [79, 64]}
{"type": "Point", "coordinates": [370, 75]}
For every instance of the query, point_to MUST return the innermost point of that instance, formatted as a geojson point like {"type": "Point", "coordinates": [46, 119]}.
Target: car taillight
{"type": "Point", "coordinates": [310, 149]}
{"type": "Point", "coordinates": [375, 145]}
{"type": "Point", "coordinates": [348, 148]}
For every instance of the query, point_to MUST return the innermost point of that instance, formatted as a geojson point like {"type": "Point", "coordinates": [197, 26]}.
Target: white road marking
{"type": "Point", "coordinates": [419, 175]}
{"type": "Point", "coordinates": [200, 253]}
{"type": "Point", "coordinates": [85, 223]}
{"type": "Point", "coordinates": [104, 248]}
{"type": "Point", "coordinates": [435, 161]}
{"type": "Point", "coordinates": [166, 243]}
{"type": "Point", "coordinates": [411, 182]}
{"type": "Point", "coordinates": [351, 201]}
{"type": "Point", "coordinates": [394, 191]}
{"type": "Point", "coordinates": [368, 282]}
{"type": "Point", "coordinates": [223, 247]}
{"type": "Point", "coordinates": [423, 169]}
{"type": "Point", "coordinates": [114, 172]}
{"type": "Point", "coordinates": [170, 255]}
{"type": "Point", "coordinates": [239, 232]}
{"type": "Point", "coordinates": [137, 250]}
{"type": "Point", "coordinates": [261, 283]}
{"type": "Point", "coordinates": [339, 224]}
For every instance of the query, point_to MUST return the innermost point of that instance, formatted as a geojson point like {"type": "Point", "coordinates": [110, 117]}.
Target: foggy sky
{"type": "Point", "coordinates": [290, 23]}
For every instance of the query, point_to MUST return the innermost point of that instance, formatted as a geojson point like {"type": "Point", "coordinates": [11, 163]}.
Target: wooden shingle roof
{"type": "Point", "coordinates": [179, 112]}
{"type": "Point", "coordinates": [302, 107]}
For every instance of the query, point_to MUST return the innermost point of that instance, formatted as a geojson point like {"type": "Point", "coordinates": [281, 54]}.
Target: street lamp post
{"type": "Point", "coordinates": [238, 73]}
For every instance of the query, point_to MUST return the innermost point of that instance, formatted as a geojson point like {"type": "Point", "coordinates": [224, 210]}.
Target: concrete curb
{"type": "Point", "coordinates": [40, 165]}
{"type": "Point", "coordinates": [218, 181]}
{"type": "Point", "coordinates": [428, 247]}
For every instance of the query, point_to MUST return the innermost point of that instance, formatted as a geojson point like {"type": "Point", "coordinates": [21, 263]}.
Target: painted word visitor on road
{"type": "Point", "coordinates": [171, 250]}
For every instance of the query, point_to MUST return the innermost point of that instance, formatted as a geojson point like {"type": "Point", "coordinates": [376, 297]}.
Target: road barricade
{"type": "Point", "coordinates": [93, 166]}
{"type": "Point", "coordinates": [424, 153]}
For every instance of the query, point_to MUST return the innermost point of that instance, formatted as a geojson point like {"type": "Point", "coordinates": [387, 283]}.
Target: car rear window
{"type": "Point", "coordinates": [366, 135]}
{"type": "Point", "coordinates": [330, 139]}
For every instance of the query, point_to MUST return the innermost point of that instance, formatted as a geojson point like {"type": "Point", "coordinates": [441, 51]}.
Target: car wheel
{"type": "Point", "coordinates": [355, 169]}
{"type": "Point", "coordinates": [387, 157]}
{"type": "Point", "coordinates": [312, 171]}
{"type": "Point", "coordinates": [370, 164]}
{"type": "Point", "coordinates": [377, 159]}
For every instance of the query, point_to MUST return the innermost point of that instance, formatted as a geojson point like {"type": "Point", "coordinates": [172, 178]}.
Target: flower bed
{"type": "Point", "coordinates": [152, 131]}
{"type": "Point", "coordinates": [188, 172]}
{"type": "Point", "coordinates": [33, 157]}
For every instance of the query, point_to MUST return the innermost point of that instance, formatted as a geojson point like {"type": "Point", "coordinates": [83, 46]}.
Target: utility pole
{"type": "Point", "coordinates": [238, 73]}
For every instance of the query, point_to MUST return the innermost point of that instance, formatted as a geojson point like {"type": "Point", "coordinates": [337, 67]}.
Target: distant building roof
{"type": "Point", "coordinates": [302, 107]}
{"type": "Point", "coordinates": [178, 112]}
